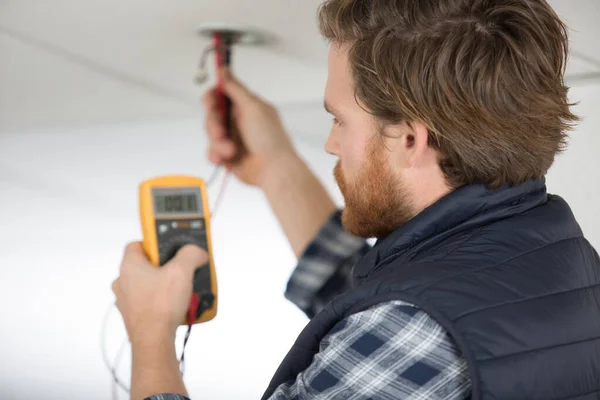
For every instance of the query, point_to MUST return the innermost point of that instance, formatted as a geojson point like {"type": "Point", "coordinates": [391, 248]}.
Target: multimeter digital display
{"type": "Point", "coordinates": [174, 212]}
{"type": "Point", "coordinates": [168, 203]}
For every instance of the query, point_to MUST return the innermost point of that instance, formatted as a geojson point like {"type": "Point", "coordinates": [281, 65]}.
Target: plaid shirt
{"type": "Point", "coordinates": [391, 351]}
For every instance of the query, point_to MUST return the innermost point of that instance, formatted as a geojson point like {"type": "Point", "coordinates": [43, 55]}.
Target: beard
{"type": "Point", "coordinates": [377, 203]}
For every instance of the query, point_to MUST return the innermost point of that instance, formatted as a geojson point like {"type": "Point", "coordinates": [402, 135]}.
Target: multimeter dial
{"type": "Point", "coordinates": [173, 234]}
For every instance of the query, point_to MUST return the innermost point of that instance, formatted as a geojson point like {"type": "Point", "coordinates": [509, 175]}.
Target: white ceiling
{"type": "Point", "coordinates": [74, 63]}
{"type": "Point", "coordinates": [70, 63]}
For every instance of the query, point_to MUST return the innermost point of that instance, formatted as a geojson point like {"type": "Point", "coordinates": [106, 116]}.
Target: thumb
{"type": "Point", "coordinates": [189, 257]}
{"type": "Point", "coordinates": [238, 93]}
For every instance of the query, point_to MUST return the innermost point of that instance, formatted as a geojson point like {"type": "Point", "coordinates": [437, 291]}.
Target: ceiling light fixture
{"type": "Point", "coordinates": [231, 35]}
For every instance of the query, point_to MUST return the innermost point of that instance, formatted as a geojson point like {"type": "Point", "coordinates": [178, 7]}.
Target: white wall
{"type": "Point", "coordinates": [576, 174]}
{"type": "Point", "coordinates": [69, 205]}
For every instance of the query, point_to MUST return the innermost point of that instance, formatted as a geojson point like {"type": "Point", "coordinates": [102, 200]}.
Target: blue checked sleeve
{"type": "Point", "coordinates": [391, 351]}
{"type": "Point", "coordinates": [167, 396]}
{"type": "Point", "coordinates": [324, 270]}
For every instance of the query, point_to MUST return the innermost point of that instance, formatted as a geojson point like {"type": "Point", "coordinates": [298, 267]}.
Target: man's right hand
{"type": "Point", "coordinates": [262, 142]}
{"type": "Point", "coordinates": [261, 154]}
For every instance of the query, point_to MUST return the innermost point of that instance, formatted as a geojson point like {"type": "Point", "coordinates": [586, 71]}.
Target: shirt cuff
{"type": "Point", "coordinates": [325, 268]}
{"type": "Point", "coordinates": [167, 396]}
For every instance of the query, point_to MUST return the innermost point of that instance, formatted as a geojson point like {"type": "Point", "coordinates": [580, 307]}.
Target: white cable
{"type": "Point", "coordinates": [107, 363]}
{"type": "Point", "coordinates": [219, 197]}
{"type": "Point", "coordinates": [213, 176]}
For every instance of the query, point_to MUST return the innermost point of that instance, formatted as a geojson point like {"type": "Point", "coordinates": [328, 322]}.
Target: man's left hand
{"type": "Point", "coordinates": [154, 301]}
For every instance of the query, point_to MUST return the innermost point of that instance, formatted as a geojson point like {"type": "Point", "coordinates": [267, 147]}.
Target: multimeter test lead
{"type": "Point", "coordinates": [174, 211]}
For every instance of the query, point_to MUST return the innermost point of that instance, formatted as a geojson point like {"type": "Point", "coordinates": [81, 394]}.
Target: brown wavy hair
{"type": "Point", "coordinates": [485, 76]}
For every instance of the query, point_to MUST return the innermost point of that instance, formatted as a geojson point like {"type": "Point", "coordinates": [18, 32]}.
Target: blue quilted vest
{"type": "Point", "coordinates": [508, 274]}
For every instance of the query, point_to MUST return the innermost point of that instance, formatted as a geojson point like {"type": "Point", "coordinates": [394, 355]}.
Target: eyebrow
{"type": "Point", "coordinates": [329, 108]}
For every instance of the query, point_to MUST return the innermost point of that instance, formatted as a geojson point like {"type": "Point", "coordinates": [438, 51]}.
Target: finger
{"type": "Point", "coordinates": [238, 93]}
{"type": "Point", "coordinates": [225, 149]}
{"type": "Point", "coordinates": [134, 250]}
{"type": "Point", "coordinates": [214, 125]}
{"type": "Point", "coordinates": [210, 98]}
{"type": "Point", "coordinates": [189, 257]}
{"type": "Point", "coordinates": [134, 253]}
{"type": "Point", "coordinates": [214, 158]}
{"type": "Point", "coordinates": [222, 151]}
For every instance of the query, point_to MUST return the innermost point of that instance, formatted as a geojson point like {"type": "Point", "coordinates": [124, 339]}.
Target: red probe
{"type": "Point", "coordinates": [223, 50]}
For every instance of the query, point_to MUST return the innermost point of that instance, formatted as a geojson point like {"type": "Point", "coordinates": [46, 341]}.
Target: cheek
{"type": "Point", "coordinates": [352, 153]}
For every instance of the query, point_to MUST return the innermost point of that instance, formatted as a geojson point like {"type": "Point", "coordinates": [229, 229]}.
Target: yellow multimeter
{"type": "Point", "coordinates": [174, 212]}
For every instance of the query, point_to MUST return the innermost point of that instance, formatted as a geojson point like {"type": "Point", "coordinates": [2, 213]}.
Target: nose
{"type": "Point", "coordinates": [332, 146]}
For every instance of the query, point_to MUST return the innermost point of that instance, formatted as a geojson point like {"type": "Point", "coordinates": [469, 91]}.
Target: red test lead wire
{"type": "Point", "coordinates": [223, 57]}
{"type": "Point", "coordinates": [191, 318]}
{"type": "Point", "coordinates": [219, 43]}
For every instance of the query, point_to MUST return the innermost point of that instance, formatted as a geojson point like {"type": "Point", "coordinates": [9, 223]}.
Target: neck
{"type": "Point", "coordinates": [427, 192]}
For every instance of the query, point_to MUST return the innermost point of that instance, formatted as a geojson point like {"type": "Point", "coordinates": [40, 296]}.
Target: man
{"type": "Point", "coordinates": [447, 116]}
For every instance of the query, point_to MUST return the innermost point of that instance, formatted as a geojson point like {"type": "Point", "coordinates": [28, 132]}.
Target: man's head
{"type": "Point", "coordinates": [432, 95]}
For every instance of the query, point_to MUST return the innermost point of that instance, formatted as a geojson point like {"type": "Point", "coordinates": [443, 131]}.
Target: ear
{"type": "Point", "coordinates": [416, 143]}
{"type": "Point", "coordinates": [409, 140]}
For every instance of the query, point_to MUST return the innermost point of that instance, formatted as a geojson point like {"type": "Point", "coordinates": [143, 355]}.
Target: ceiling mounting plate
{"type": "Point", "coordinates": [239, 34]}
